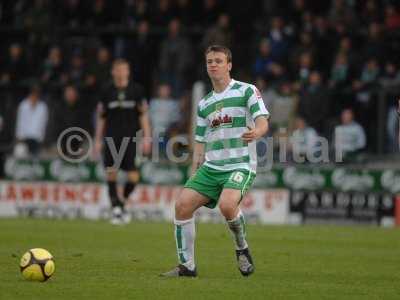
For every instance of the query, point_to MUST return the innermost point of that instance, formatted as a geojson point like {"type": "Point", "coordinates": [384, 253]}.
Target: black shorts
{"type": "Point", "coordinates": [125, 160]}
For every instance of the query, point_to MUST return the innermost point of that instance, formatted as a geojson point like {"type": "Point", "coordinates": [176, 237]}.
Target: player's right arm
{"type": "Point", "coordinates": [100, 125]}
{"type": "Point", "coordinates": [199, 145]}
{"type": "Point", "coordinates": [198, 156]}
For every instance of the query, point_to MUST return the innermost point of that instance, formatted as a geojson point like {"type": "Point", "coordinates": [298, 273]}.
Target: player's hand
{"type": "Point", "coordinates": [250, 135]}
{"type": "Point", "coordinates": [146, 147]}
{"type": "Point", "coordinates": [98, 145]}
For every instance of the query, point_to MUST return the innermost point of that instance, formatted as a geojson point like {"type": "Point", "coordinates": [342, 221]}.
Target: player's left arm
{"type": "Point", "coordinates": [144, 120]}
{"type": "Point", "coordinates": [259, 113]}
{"type": "Point", "coordinates": [260, 129]}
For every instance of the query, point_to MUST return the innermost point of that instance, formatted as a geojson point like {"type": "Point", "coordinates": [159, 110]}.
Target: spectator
{"type": "Point", "coordinates": [283, 105]}
{"type": "Point", "coordinates": [69, 113]}
{"type": "Point", "coordinates": [209, 11]}
{"type": "Point", "coordinates": [142, 56]}
{"type": "Point", "coordinates": [135, 11]}
{"type": "Point", "coordinates": [175, 58]}
{"type": "Point", "coordinates": [76, 72]}
{"type": "Point", "coordinates": [367, 81]}
{"type": "Point", "coordinates": [392, 17]}
{"type": "Point", "coordinates": [305, 66]}
{"type": "Point", "coordinates": [340, 83]}
{"type": "Point", "coordinates": [370, 12]}
{"type": "Point", "coordinates": [99, 70]}
{"type": "Point", "coordinates": [278, 39]}
{"type": "Point", "coordinates": [305, 45]}
{"type": "Point", "coordinates": [53, 73]}
{"type": "Point", "coordinates": [346, 48]}
{"type": "Point", "coordinates": [32, 118]}
{"type": "Point", "coordinates": [163, 13]}
{"type": "Point", "coordinates": [184, 11]}
{"type": "Point", "coordinates": [220, 33]}
{"type": "Point", "coordinates": [342, 13]}
{"type": "Point", "coordinates": [164, 109]}
{"type": "Point", "coordinates": [315, 103]}
{"type": "Point", "coordinates": [15, 66]}
{"type": "Point", "coordinates": [265, 66]}
{"type": "Point", "coordinates": [303, 142]}
{"type": "Point", "coordinates": [70, 13]}
{"type": "Point", "coordinates": [349, 136]}
{"type": "Point", "coordinates": [375, 43]}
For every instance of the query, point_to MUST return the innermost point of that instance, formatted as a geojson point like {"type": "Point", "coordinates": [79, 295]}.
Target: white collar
{"type": "Point", "coordinates": [230, 84]}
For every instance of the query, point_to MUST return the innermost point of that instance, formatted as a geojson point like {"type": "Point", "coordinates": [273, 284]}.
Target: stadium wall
{"type": "Point", "coordinates": [281, 195]}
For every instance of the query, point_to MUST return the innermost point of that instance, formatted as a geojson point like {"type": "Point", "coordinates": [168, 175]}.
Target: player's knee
{"type": "Point", "coordinates": [228, 209]}
{"type": "Point", "coordinates": [183, 208]}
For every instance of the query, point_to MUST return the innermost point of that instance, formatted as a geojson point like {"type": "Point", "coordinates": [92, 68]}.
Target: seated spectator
{"type": "Point", "coordinates": [265, 66]}
{"type": "Point", "coordinates": [340, 83]}
{"type": "Point", "coordinates": [283, 105]}
{"type": "Point", "coordinates": [303, 142]}
{"type": "Point", "coordinates": [315, 103]}
{"type": "Point", "coordinates": [304, 67]}
{"type": "Point", "coordinates": [367, 80]}
{"type": "Point", "coordinates": [219, 34]}
{"type": "Point", "coordinates": [99, 70]}
{"type": "Point", "coordinates": [69, 113]}
{"type": "Point", "coordinates": [52, 72]}
{"type": "Point", "coordinates": [278, 39]}
{"type": "Point", "coordinates": [32, 118]}
{"type": "Point", "coordinates": [174, 46]}
{"type": "Point", "coordinates": [15, 66]}
{"type": "Point", "coordinates": [349, 136]}
{"type": "Point", "coordinates": [392, 17]}
{"type": "Point", "coordinates": [163, 110]}
{"type": "Point", "coordinates": [76, 72]}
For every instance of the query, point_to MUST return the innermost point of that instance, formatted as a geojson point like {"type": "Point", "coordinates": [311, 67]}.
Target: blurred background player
{"type": "Point", "coordinates": [122, 112]}
{"type": "Point", "coordinates": [229, 121]}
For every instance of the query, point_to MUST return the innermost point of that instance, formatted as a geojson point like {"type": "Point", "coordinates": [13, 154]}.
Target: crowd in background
{"type": "Point", "coordinates": [319, 65]}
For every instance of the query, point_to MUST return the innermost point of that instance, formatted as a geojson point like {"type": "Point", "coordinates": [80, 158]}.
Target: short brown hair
{"type": "Point", "coordinates": [120, 61]}
{"type": "Point", "coordinates": [219, 48]}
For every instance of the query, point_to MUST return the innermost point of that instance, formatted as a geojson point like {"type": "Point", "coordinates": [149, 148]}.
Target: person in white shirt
{"type": "Point", "coordinates": [349, 136]}
{"type": "Point", "coordinates": [303, 141]}
{"type": "Point", "coordinates": [32, 116]}
{"type": "Point", "coordinates": [164, 109]}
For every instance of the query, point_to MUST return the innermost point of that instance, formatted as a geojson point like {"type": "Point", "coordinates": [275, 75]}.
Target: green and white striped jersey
{"type": "Point", "coordinates": [222, 118]}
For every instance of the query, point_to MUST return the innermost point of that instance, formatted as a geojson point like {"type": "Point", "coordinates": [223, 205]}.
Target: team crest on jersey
{"type": "Point", "coordinates": [221, 121]}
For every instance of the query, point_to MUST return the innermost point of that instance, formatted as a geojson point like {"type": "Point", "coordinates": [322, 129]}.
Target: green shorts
{"type": "Point", "coordinates": [210, 182]}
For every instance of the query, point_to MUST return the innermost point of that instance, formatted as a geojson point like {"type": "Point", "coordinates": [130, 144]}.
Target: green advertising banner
{"type": "Point", "coordinates": [295, 177]}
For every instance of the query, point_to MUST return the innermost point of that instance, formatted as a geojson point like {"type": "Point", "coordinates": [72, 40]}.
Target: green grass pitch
{"type": "Point", "coordinates": [95, 260]}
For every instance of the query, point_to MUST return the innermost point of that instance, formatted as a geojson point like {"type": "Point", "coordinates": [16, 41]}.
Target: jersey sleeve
{"type": "Point", "coordinates": [255, 103]}
{"type": "Point", "coordinates": [201, 128]}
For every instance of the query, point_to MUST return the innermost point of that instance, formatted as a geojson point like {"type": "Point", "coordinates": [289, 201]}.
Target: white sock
{"type": "Point", "coordinates": [184, 236]}
{"type": "Point", "coordinates": [238, 229]}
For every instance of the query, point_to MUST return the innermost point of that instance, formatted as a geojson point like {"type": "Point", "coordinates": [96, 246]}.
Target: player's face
{"type": "Point", "coordinates": [120, 72]}
{"type": "Point", "coordinates": [218, 66]}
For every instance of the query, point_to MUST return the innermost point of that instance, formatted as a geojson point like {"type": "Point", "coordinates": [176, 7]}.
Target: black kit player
{"type": "Point", "coordinates": [122, 112]}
